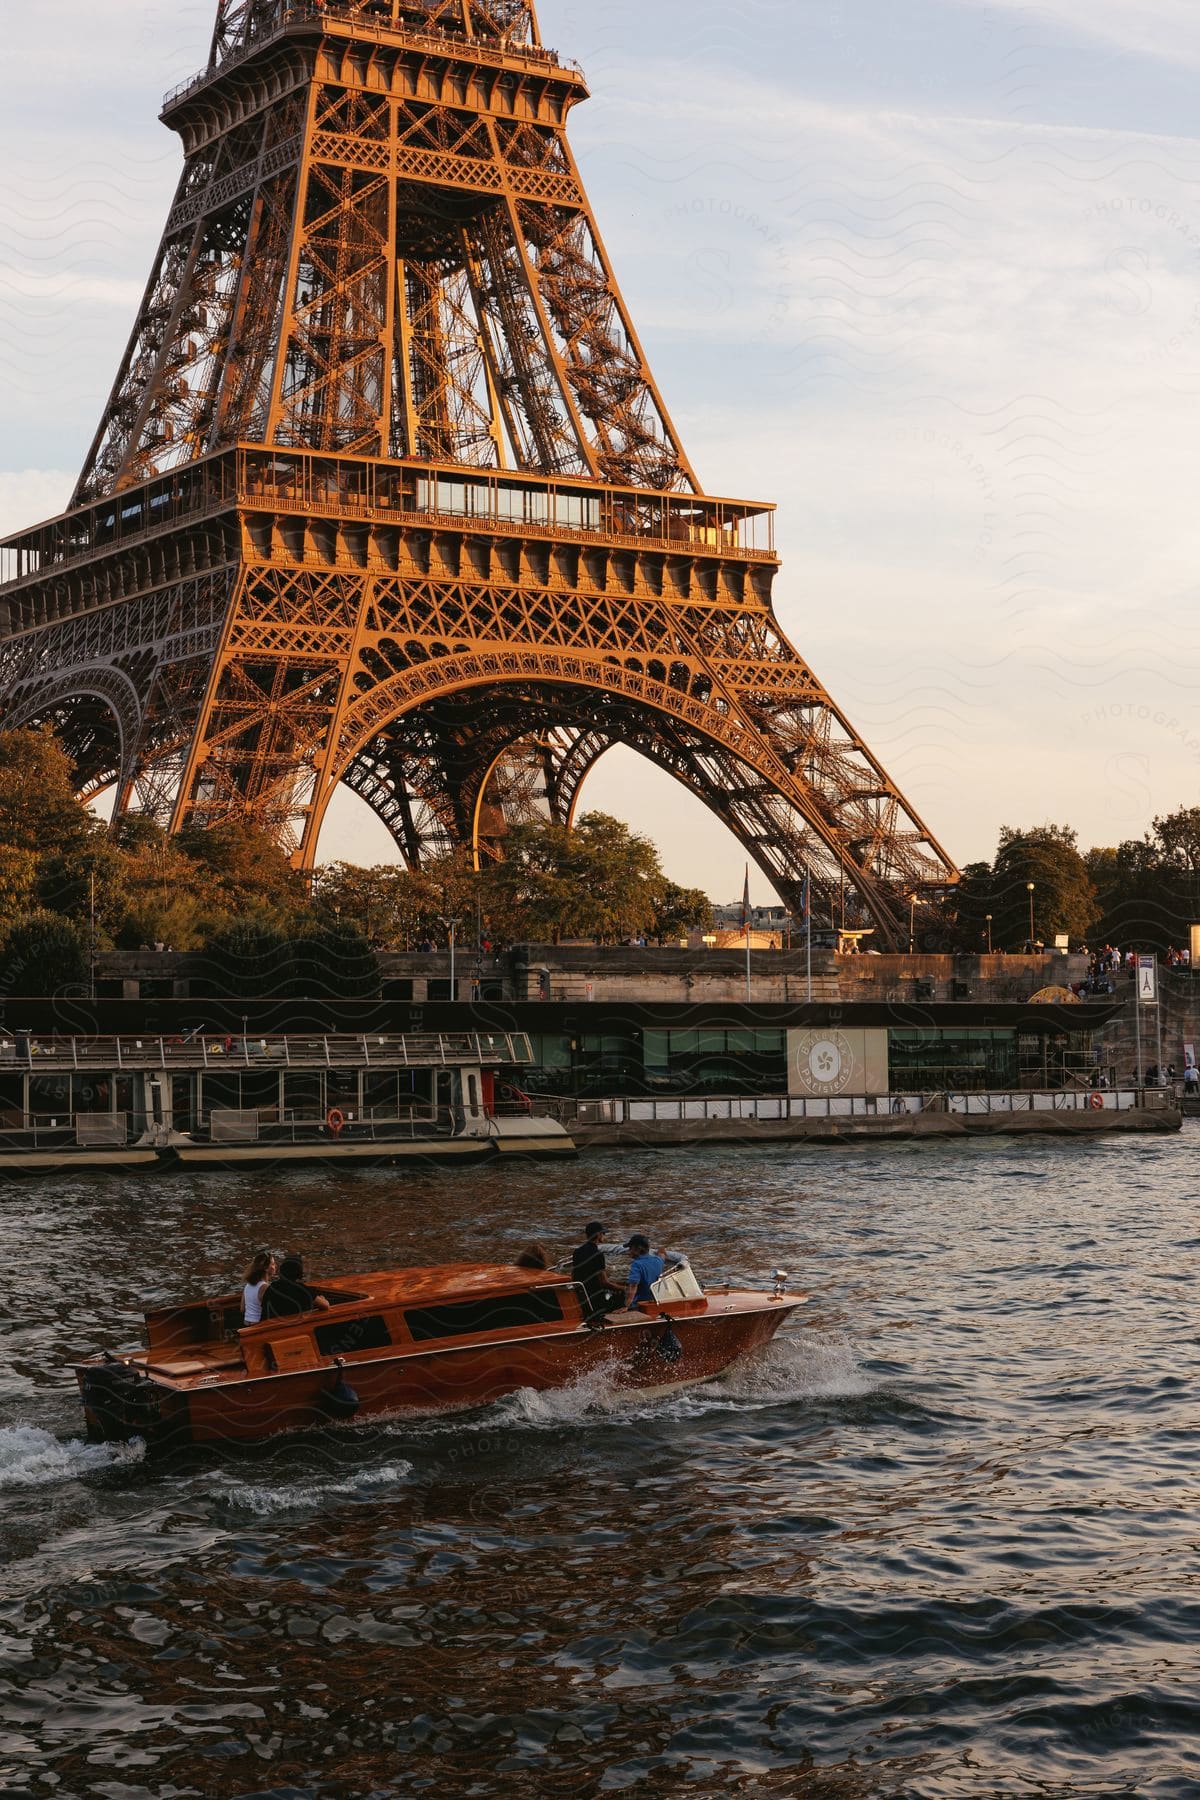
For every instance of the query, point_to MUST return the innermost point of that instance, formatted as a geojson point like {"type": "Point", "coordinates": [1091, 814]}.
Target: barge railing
{"type": "Point", "coordinates": [220, 1050]}
{"type": "Point", "coordinates": [636, 1111]}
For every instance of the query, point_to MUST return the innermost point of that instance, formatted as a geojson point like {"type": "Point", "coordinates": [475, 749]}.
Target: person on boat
{"type": "Point", "coordinates": [288, 1293]}
{"type": "Point", "coordinates": [259, 1276]}
{"type": "Point", "coordinates": [589, 1269]}
{"type": "Point", "coordinates": [533, 1256]}
{"type": "Point", "coordinates": [647, 1267]}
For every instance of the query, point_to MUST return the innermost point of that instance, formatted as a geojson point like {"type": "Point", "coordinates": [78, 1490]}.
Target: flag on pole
{"type": "Point", "coordinates": [746, 902]}
{"type": "Point", "coordinates": [804, 901]}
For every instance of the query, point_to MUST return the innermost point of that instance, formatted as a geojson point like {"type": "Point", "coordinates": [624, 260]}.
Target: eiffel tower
{"type": "Point", "coordinates": [385, 494]}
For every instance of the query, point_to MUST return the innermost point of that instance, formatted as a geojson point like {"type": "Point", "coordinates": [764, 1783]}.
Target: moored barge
{"type": "Point", "coordinates": [216, 1099]}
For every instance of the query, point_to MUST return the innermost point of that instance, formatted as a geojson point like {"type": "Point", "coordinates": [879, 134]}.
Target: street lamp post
{"type": "Point", "coordinates": [912, 931]}
{"type": "Point", "coordinates": [92, 935]}
{"type": "Point", "coordinates": [452, 926]}
{"type": "Point", "coordinates": [989, 933]}
{"type": "Point", "coordinates": [1029, 890]}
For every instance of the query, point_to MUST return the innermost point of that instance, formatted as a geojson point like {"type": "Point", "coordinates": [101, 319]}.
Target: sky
{"type": "Point", "coordinates": [926, 276]}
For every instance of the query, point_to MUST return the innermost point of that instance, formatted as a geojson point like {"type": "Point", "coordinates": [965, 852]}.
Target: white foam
{"type": "Point", "coordinates": [594, 1395]}
{"type": "Point", "coordinates": [264, 1501]}
{"type": "Point", "coordinates": [31, 1457]}
{"type": "Point", "coordinates": [801, 1366]}
{"type": "Point", "coordinates": [795, 1369]}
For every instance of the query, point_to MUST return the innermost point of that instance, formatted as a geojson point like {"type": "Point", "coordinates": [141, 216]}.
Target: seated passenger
{"type": "Point", "coordinates": [647, 1267]}
{"type": "Point", "coordinates": [259, 1276]}
{"type": "Point", "coordinates": [288, 1294]}
{"type": "Point", "coordinates": [533, 1256]}
{"type": "Point", "coordinates": [590, 1270]}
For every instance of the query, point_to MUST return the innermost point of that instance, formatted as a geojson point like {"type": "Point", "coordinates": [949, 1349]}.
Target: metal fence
{"type": "Point", "coordinates": [618, 1111]}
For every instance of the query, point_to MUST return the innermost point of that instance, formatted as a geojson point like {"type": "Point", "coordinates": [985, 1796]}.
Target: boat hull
{"type": "Point", "coordinates": [15, 1163]}
{"type": "Point", "coordinates": [633, 1353]}
{"type": "Point", "coordinates": [507, 1138]}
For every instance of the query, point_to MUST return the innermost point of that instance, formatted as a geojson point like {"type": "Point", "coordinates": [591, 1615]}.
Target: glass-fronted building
{"type": "Point", "coordinates": [622, 1048]}
{"type": "Point", "coordinates": [615, 1049]}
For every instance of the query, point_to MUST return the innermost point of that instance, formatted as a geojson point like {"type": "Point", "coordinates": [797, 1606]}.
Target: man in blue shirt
{"type": "Point", "coordinates": [646, 1268]}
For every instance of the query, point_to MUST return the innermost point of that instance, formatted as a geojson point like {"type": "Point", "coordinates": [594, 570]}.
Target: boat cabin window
{"type": "Point", "coordinates": [506, 1313]}
{"type": "Point", "coordinates": [349, 1335]}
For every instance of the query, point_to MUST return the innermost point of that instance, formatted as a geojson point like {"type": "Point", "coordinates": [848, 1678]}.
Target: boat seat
{"type": "Point", "coordinates": [179, 1367]}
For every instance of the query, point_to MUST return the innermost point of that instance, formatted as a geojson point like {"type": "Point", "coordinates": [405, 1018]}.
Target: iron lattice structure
{"type": "Point", "coordinates": [385, 494]}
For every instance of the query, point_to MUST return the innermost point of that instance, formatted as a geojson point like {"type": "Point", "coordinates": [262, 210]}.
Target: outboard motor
{"type": "Point", "coordinates": [120, 1403]}
{"type": "Point", "coordinates": [340, 1401]}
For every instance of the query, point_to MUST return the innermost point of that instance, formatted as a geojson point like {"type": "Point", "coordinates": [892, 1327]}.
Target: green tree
{"type": "Point", "coordinates": [18, 881]}
{"type": "Point", "coordinates": [679, 910]}
{"type": "Point", "coordinates": [1148, 888]}
{"type": "Point", "coordinates": [1064, 899]}
{"type": "Point", "coordinates": [242, 870]}
{"type": "Point", "coordinates": [43, 955]}
{"type": "Point", "coordinates": [395, 908]}
{"type": "Point", "coordinates": [39, 811]}
{"type": "Point", "coordinates": [598, 881]}
{"type": "Point", "coordinates": [169, 898]}
{"type": "Point", "coordinates": [974, 899]}
{"type": "Point", "coordinates": [1177, 838]}
{"type": "Point", "coordinates": [86, 880]}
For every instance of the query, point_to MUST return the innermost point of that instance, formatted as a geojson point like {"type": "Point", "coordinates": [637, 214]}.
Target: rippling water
{"type": "Point", "coordinates": [940, 1540]}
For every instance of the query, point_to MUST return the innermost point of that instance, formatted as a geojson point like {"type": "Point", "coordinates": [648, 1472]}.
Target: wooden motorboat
{"type": "Point", "coordinates": [409, 1341]}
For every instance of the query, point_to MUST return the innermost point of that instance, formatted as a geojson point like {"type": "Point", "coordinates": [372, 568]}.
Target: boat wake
{"type": "Point", "coordinates": [264, 1502]}
{"type": "Point", "coordinates": [31, 1457]}
{"type": "Point", "coordinates": [790, 1371]}
{"type": "Point", "coordinates": [799, 1367]}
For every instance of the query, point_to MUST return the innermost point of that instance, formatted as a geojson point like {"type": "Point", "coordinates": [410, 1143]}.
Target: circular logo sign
{"type": "Point", "coordinates": [824, 1062]}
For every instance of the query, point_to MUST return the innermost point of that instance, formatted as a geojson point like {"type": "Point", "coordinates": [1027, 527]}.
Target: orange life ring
{"type": "Point", "coordinates": [1096, 1101]}
{"type": "Point", "coordinates": [335, 1118]}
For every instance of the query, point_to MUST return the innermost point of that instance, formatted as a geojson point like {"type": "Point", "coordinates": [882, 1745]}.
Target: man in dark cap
{"type": "Point", "coordinates": [288, 1292]}
{"type": "Point", "coordinates": [588, 1268]}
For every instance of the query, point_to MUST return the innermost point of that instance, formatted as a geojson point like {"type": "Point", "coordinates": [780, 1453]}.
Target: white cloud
{"type": "Point", "coordinates": [1165, 29]}
{"type": "Point", "coordinates": [27, 496]}
{"type": "Point", "coordinates": [964, 354]}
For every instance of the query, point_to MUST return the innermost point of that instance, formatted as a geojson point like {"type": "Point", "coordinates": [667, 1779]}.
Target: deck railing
{"type": "Point", "coordinates": [766, 1107]}
{"type": "Point", "coordinates": [535, 57]}
{"type": "Point", "coordinates": [246, 1126]}
{"type": "Point", "coordinates": [254, 1050]}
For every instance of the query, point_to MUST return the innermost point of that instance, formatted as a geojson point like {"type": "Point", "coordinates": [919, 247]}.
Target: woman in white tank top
{"type": "Point", "coordinates": [259, 1276]}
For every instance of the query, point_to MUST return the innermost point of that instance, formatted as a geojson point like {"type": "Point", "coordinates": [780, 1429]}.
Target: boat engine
{"type": "Point", "coordinates": [340, 1401]}
{"type": "Point", "coordinates": [120, 1403]}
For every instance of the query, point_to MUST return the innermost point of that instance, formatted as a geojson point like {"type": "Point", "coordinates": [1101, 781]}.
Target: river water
{"type": "Point", "coordinates": [941, 1539]}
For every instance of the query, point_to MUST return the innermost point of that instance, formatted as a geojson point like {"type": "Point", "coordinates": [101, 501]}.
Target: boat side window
{"type": "Point", "coordinates": [349, 1335]}
{"type": "Point", "coordinates": [508, 1312]}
